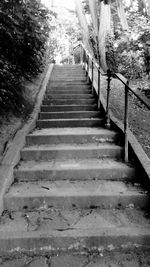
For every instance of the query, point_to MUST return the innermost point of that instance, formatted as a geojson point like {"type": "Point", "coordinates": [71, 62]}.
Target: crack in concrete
{"type": "Point", "coordinates": [81, 215]}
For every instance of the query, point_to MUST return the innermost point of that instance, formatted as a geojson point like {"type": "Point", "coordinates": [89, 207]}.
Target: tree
{"type": "Point", "coordinates": [104, 31]}
{"type": "Point", "coordinates": [83, 23]}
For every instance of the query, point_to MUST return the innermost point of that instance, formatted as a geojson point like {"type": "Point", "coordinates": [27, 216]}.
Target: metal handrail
{"type": "Point", "coordinates": [88, 57]}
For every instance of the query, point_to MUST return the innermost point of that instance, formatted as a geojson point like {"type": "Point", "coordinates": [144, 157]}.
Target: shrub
{"type": "Point", "coordinates": [24, 32]}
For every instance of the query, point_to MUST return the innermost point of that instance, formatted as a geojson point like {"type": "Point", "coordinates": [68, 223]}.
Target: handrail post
{"type": "Point", "coordinates": [86, 64]}
{"type": "Point", "coordinates": [99, 103]}
{"type": "Point", "coordinates": [84, 55]}
{"type": "Point", "coordinates": [88, 67]}
{"type": "Point", "coordinates": [92, 75]}
{"type": "Point", "coordinates": [126, 156]}
{"type": "Point", "coordinates": [108, 98]}
{"type": "Point", "coordinates": [81, 56]}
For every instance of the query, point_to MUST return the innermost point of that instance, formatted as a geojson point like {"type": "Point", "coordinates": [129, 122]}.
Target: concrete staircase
{"type": "Point", "coordinates": [71, 189]}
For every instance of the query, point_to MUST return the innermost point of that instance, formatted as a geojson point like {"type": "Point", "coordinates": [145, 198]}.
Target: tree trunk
{"type": "Point", "coordinates": [147, 6]}
{"type": "Point", "coordinates": [83, 24]}
{"type": "Point", "coordinates": [122, 15]}
{"type": "Point", "coordinates": [104, 31]}
{"type": "Point", "coordinates": [93, 11]}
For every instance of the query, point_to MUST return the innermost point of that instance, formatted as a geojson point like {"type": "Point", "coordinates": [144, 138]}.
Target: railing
{"type": "Point", "coordinates": [87, 60]}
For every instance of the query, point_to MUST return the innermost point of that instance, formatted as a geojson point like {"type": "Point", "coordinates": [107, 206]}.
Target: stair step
{"type": "Point", "coordinates": [74, 169]}
{"type": "Point", "coordinates": [68, 83]}
{"type": "Point", "coordinates": [53, 102]}
{"type": "Point", "coordinates": [68, 92]}
{"type": "Point", "coordinates": [75, 240]}
{"type": "Point", "coordinates": [67, 115]}
{"type": "Point", "coordinates": [71, 151]}
{"type": "Point", "coordinates": [67, 78]}
{"type": "Point", "coordinates": [64, 229]}
{"type": "Point", "coordinates": [66, 195]}
{"type": "Point", "coordinates": [69, 136]}
{"type": "Point", "coordinates": [74, 122]}
{"type": "Point", "coordinates": [58, 108]}
{"type": "Point", "coordinates": [70, 96]}
{"type": "Point", "coordinates": [70, 87]}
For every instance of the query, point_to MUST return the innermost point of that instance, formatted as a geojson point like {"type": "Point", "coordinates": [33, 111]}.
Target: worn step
{"type": "Point", "coordinates": [72, 84]}
{"type": "Point", "coordinates": [70, 96]}
{"type": "Point", "coordinates": [59, 108]}
{"type": "Point", "coordinates": [74, 122]}
{"type": "Point", "coordinates": [74, 230]}
{"type": "Point", "coordinates": [66, 195]}
{"type": "Point", "coordinates": [74, 169]}
{"type": "Point", "coordinates": [76, 240]}
{"type": "Point", "coordinates": [66, 72]}
{"type": "Point", "coordinates": [63, 101]}
{"type": "Point", "coordinates": [68, 78]}
{"type": "Point", "coordinates": [68, 92]}
{"type": "Point", "coordinates": [69, 136]}
{"type": "Point", "coordinates": [70, 151]}
{"type": "Point", "coordinates": [69, 87]}
{"type": "Point", "coordinates": [69, 114]}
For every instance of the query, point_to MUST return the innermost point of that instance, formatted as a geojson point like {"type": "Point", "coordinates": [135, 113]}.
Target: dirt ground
{"type": "Point", "coordinates": [10, 124]}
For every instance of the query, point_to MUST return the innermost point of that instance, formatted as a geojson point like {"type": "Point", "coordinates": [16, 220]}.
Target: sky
{"type": "Point", "coordinates": [61, 3]}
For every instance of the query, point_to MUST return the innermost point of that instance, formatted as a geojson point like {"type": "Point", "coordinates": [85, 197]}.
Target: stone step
{"type": "Point", "coordinates": [69, 83]}
{"type": "Point", "coordinates": [68, 91]}
{"type": "Point", "coordinates": [67, 77]}
{"type": "Point", "coordinates": [66, 72]}
{"type": "Point", "coordinates": [71, 151]}
{"type": "Point", "coordinates": [69, 136]}
{"type": "Point", "coordinates": [77, 241]}
{"type": "Point", "coordinates": [69, 96]}
{"type": "Point", "coordinates": [70, 72]}
{"type": "Point", "coordinates": [68, 114]}
{"type": "Point", "coordinates": [59, 108]}
{"type": "Point", "coordinates": [74, 122]}
{"type": "Point", "coordinates": [74, 230]}
{"type": "Point", "coordinates": [63, 101]}
{"type": "Point", "coordinates": [67, 194]}
{"type": "Point", "coordinates": [74, 169]}
{"type": "Point", "coordinates": [54, 86]}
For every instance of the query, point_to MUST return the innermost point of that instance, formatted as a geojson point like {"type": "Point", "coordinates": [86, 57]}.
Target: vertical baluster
{"type": "Point", "coordinates": [108, 98]}
{"type": "Point", "coordinates": [92, 74]}
{"type": "Point", "coordinates": [126, 122]}
{"type": "Point", "coordinates": [99, 103]}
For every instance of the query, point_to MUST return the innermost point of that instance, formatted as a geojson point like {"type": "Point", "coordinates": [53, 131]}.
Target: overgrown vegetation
{"type": "Point", "coordinates": [24, 35]}
{"type": "Point", "coordinates": [128, 52]}
{"type": "Point", "coordinates": [124, 37]}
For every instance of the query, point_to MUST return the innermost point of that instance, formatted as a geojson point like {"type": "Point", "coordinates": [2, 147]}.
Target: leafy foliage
{"type": "Point", "coordinates": [129, 52]}
{"type": "Point", "coordinates": [24, 32]}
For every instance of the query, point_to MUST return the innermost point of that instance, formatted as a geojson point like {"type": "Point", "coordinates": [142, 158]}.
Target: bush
{"type": "Point", "coordinates": [24, 32]}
